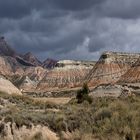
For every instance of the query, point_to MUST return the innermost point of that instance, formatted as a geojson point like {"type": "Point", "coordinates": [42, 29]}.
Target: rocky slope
{"type": "Point", "coordinates": [9, 66]}
{"type": "Point", "coordinates": [29, 79]}
{"type": "Point", "coordinates": [66, 74]}
{"type": "Point", "coordinates": [35, 73]}
{"type": "Point", "coordinates": [132, 75]}
{"type": "Point", "coordinates": [7, 87]}
{"type": "Point", "coordinates": [110, 67]}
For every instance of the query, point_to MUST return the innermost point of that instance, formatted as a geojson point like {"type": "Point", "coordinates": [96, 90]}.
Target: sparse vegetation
{"type": "Point", "coordinates": [103, 119]}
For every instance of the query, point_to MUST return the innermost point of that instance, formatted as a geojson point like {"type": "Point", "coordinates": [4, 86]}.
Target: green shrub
{"type": "Point", "coordinates": [83, 94]}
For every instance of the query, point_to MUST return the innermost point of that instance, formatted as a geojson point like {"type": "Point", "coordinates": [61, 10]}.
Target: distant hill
{"type": "Point", "coordinates": [49, 63]}
{"type": "Point", "coordinates": [32, 59]}
{"type": "Point", "coordinates": [5, 49]}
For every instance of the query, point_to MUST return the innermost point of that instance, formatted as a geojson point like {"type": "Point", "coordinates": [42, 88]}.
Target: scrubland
{"type": "Point", "coordinates": [102, 119]}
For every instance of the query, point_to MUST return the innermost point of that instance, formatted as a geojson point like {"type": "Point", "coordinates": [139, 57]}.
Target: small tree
{"type": "Point", "coordinates": [85, 89]}
{"type": "Point", "coordinates": [83, 94]}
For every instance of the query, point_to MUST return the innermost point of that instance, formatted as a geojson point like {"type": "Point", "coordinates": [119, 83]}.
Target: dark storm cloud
{"type": "Point", "coordinates": [75, 4]}
{"type": "Point", "coordinates": [125, 9]}
{"type": "Point", "coordinates": [14, 8]}
{"type": "Point", "coordinates": [62, 40]}
{"type": "Point", "coordinates": [71, 29]}
{"type": "Point", "coordinates": [20, 8]}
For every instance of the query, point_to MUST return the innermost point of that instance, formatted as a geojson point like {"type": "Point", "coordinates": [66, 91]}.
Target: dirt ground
{"type": "Point", "coordinates": [60, 100]}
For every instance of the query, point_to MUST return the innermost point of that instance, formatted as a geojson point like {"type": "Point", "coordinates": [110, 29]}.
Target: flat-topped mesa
{"type": "Point", "coordinates": [66, 74]}
{"type": "Point", "coordinates": [68, 64]}
{"type": "Point", "coordinates": [127, 58]}
{"type": "Point", "coordinates": [110, 67]}
{"type": "Point", "coordinates": [132, 75]}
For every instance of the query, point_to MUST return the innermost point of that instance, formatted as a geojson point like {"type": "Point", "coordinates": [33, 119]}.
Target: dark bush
{"type": "Point", "coordinates": [83, 95]}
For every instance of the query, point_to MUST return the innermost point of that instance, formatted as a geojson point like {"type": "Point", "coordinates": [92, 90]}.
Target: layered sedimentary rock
{"type": "Point", "coordinates": [132, 75]}
{"type": "Point", "coordinates": [110, 67]}
{"type": "Point", "coordinates": [32, 76]}
{"type": "Point", "coordinates": [7, 87]}
{"type": "Point", "coordinates": [29, 79]}
{"type": "Point", "coordinates": [5, 67]}
{"type": "Point", "coordinates": [67, 74]}
{"type": "Point", "coordinates": [9, 66]}
{"type": "Point", "coordinates": [26, 84]}
{"type": "Point", "coordinates": [35, 73]}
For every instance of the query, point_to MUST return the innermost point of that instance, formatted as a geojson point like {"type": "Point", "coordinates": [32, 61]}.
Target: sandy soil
{"type": "Point", "coordinates": [60, 100]}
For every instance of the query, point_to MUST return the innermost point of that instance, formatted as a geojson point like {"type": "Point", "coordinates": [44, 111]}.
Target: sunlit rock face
{"type": "Point", "coordinates": [7, 87]}
{"type": "Point", "coordinates": [110, 67]}
{"type": "Point", "coordinates": [66, 74]}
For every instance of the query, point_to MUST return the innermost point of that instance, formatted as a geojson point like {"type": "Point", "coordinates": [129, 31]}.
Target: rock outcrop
{"type": "Point", "coordinates": [9, 131]}
{"type": "Point", "coordinates": [7, 87]}
{"type": "Point", "coordinates": [29, 79]}
{"type": "Point", "coordinates": [112, 91]}
{"type": "Point", "coordinates": [66, 74]}
{"type": "Point", "coordinates": [25, 84]}
{"type": "Point", "coordinates": [35, 73]}
{"type": "Point", "coordinates": [110, 67]}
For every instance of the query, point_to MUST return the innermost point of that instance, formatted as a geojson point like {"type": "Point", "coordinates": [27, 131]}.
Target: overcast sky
{"type": "Point", "coordinates": [71, 29]}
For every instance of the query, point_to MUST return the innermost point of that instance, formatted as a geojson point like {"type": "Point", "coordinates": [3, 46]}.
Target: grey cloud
{"type": "Point", "coordinates": [64, 40]}
{"type": "Point", "coordinates": [126, 9]}
{"type": "Point", "coordinates": [14, 8]}
{"type": "Point", "coordinates": [17, 9]}
{"type": "Point", "coordinates": [58, 28]}
{"type": "Point", "coordinates": [119, 35]}
{"type": "Point", "coordinates": [75, 5]}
